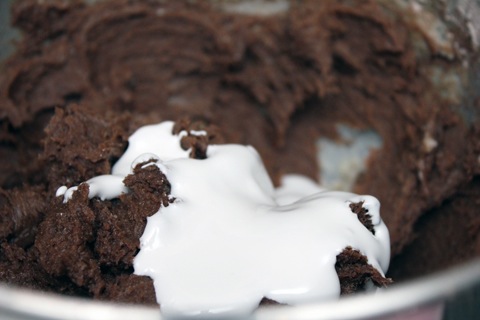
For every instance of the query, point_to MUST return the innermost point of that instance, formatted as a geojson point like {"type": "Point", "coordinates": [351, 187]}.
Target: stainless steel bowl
{"type": "Point", "coordinates": [451, 294]}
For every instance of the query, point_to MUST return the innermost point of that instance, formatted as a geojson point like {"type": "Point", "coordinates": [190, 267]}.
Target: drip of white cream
{"type": "Point", "coordinates": [229, 238]}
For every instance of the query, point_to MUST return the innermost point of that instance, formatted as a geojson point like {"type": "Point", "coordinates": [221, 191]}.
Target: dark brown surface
{"type": "Point", "coordinates": [92, 243]}
{"type": "Point", "coordinates": [276, 82]}
{"type": "Point", "coordinates": [457, 227]}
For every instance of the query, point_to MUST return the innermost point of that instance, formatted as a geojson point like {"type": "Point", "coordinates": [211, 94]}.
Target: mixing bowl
{"type": "Point", "coordinates": [450, 294]}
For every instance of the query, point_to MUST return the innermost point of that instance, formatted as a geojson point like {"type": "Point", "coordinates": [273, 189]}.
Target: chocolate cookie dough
{"type": "Point", "coordinates": [85, 76]}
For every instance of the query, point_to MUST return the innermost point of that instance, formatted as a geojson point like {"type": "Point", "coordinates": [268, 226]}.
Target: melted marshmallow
{"type": "Point", "coordinates": [230, 238]}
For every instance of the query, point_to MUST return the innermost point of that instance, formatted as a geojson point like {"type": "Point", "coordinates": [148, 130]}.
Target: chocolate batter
{"type": "Point", "coordinates": [84, 77]}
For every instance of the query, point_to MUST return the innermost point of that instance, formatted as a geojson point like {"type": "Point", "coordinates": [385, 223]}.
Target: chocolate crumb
{"type": "Point", "coordinates": [149, 185]}
{"type": "Point", "coordinates": [363, 216]}
{"type": "Point", "coordinates": [197, 143]}
{"type": "Point", "coordinates": [131, 289]}
{"type": "Point", "coordinates": [354, 272]}
{"type": "Point", "coordinates": [269, 302]}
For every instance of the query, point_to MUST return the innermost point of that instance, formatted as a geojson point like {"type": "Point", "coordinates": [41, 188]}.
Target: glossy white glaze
{"type": "Point", "coordinates": [230, 238]}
